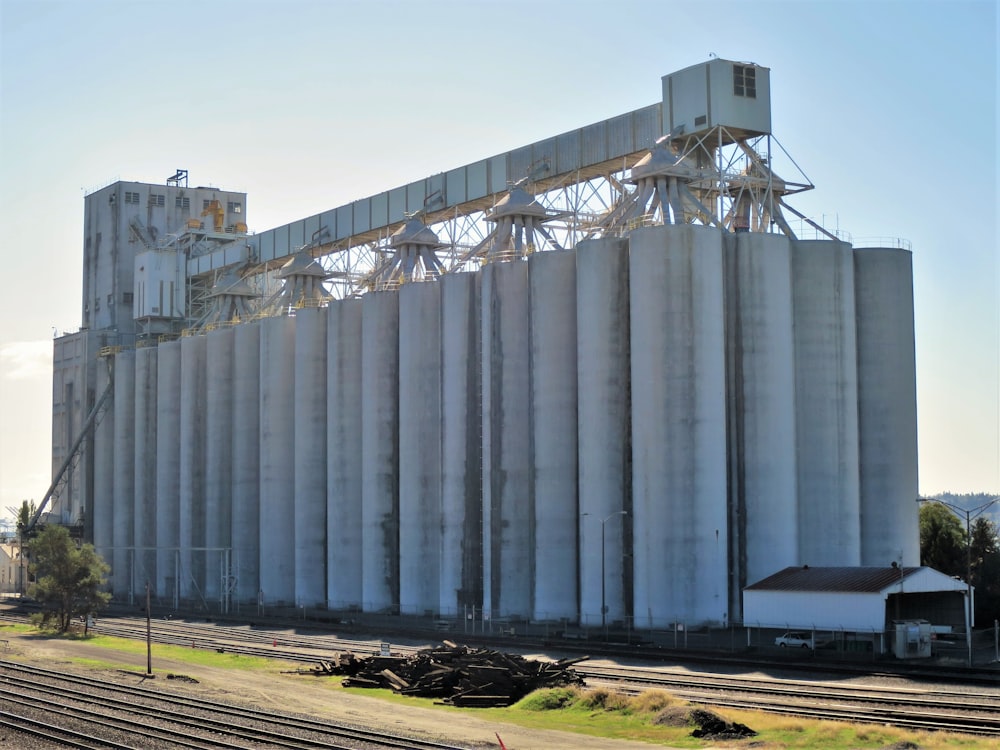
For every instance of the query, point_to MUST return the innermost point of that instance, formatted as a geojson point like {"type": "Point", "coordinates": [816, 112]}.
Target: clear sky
{"type": "Point", "coordinates": [890, 108]}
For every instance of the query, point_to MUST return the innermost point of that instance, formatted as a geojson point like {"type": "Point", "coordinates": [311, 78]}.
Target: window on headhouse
{"type": "Point", "coordinates": [235, 207]}
{"type": "Point", "coordinates": [157, 200]}
{"type": "Point", "coordinates": [745, 81]}
{"type": "Point", "coordinates": [181, 201]}
{"type": "Point", "coordinates": [131, 197]}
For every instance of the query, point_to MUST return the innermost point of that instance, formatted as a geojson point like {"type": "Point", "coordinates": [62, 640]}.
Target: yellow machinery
{"type": "Point", "coordinates": [218, 214]}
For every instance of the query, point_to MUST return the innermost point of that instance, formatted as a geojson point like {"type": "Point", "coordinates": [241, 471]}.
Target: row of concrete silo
{"type": "Point", "coordinates": [643, 425]}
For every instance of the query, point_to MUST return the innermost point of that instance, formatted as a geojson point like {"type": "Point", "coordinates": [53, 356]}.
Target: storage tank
{"type": "Point", "coordinates": [887, 405]}
{"type": "Point", "coordinates": [277, 460]}
{"type": "Point", "coordinates": [246, 460]}
{"type": "Point", "coordinates": [343, 454]}
{"type": "Point", "coordinates": [461, 479]}
{"type": "Point", "coordinates": [380, 451]}
{"type": "Point", "coordinates": [604, 435]}
{"type": "Point", "coordinates": [168, 456]}
{"type": "Point", "coordinates": [219, 449]}
{"type": "Point", "coordinates": [310, 457]}
{"type": "Point", "coordinates": [125, 496]}
{"type": "Point", "coordinates": [678, 425]}
{"type": "Point", "coordinates": [144, 465]}
{"type": "Point", "coordinates": [420, 516]}
{"type": "Point", "coordinates": [552, 298]}
{"type": "Point", "coordinates": [101, 513]}
{"type": "Point", "coordinates": [192, 467]}
{"type": "Point", "coordinates": [508, 518]}
{"type": "Point", "coordinates": [826, 403]}
{"type": "Point", "coordinates": [761, 387]}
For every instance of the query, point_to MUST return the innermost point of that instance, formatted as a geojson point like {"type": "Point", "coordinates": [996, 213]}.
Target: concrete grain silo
{"type": "Point", "coordinates": [245, 499]}
{"type": "Point", "coordinates": [761, 405]}
{"type": "Point", "coordinates": [102, 513]}
{"type": "Point", "coordinates": [508, 519]}
{"type": "Point", "coordinates": [420, 510]}
{"type": "Point", "coordinates": [887, 397]}
{"type": "Point", "coordinates": [277, 461]}
{"type": "Point", "coordinates": [595, 380]}
{"type": "Point", "coordinates": [826, 397]}
{"type": "Point", "coordinates": [124, 493]}
{"type": "Point", "coordinates": [191, 495]}
{"type": "Point", "coordinates": [343, 454]}
{"type": "Point", "coordinates": [553, 402]}
{"type": "Point", "coordinates": [144, 467]}
{"type": "Point", "coordinates": [168, 467]}
{"type": "Point", "coordinates": [678, 425]}
{"type": "Point", "coordinates": [604, 428]}
{"type": "Point", "coordinates": [219, 454]}
{"type": "Point", "coordinates": [460, 584]}
{"type": "Point", "coordinates": [310, 415]}
{"type": "Point", "coordinates": [380, 451]}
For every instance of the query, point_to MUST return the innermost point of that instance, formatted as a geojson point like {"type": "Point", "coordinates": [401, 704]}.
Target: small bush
{"type": "Point", "coordinates": [652, 701]}
{"type": "Point", "coordinates": [550, 700]}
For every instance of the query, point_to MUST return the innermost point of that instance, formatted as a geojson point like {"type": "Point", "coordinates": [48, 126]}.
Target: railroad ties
{"type": "Point", "coordinates": [457, 675]}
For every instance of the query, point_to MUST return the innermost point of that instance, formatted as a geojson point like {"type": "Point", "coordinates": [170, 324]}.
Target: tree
{"type": "Point", "coordinates": [24, 534]}
{"type": "Point", "coordinates": [942, 540]}
{"type": "Point", "coordinates": [986, 568]}
{"type": "Point", "coordinates": [68, 579]}
{"type": "Point", "coordinates": [24, 514]}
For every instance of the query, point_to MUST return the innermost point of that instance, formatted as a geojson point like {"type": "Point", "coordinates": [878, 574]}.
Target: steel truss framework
{"type": "Point", "coordinates": [715, 178]}
{"type": "Point", "coordinates": [733, 179]}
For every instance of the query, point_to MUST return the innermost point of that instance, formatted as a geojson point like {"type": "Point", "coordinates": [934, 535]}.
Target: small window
{"type": "Point", "coordinates": [131, 197]}
{"type": "Point", "coordinates": [157, 200]}
{"type": "Point", "coordinates": [745, 81]}
{"type": "Point", "coordinates": [235, 207]}
{"type": "Point", "coordinates": [181, 201]}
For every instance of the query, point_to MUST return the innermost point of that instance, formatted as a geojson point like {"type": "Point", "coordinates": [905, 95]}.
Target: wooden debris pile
{"type": "Point", "coordinates": [457, 675]}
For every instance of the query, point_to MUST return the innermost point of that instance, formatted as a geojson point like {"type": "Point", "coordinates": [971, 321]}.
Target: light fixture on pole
{"type": "Point", "coordinates": [969, 514]}
{"type": "Point", "coordinates": [604, 521]}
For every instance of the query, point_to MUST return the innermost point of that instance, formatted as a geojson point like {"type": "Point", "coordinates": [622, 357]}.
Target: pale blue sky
{"type": "Point", "coordinates": [890, 108]}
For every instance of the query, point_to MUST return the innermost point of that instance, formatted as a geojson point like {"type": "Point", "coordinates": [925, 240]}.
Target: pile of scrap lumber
{"type": "Point", "coordinates": [457, 675]}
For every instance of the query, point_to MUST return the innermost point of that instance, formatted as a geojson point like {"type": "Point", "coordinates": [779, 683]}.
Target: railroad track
{"type": "Point", "coordinates": [912, 708]}
{"type": "Point", "coordinates": [84, 713]}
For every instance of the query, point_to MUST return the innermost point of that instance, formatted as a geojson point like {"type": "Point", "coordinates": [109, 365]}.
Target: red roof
{"type": "Point", "coordinates": [855, 579]}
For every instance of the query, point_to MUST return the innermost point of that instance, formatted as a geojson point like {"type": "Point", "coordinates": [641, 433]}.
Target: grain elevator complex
{"type": "Point", "coordinates": [611, 376]}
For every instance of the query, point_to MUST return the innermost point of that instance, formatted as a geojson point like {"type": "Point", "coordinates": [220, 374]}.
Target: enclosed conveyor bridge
{"type": "Point", "coordinates": [698, 116]}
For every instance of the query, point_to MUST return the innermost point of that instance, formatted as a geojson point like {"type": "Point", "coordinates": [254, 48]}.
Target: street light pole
{"type": "Point", "coordinates": [969, 515]}
{"type": "Point", "coordinates": [604, 605]}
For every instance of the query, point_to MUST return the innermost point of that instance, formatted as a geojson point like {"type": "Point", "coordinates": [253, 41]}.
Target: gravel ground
{"type": "Point", "coordinates": [299, 694]}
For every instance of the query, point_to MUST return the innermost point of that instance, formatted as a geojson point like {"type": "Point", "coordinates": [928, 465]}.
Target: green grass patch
{"type": "Point", "coordinates": [660, 718]}
{"type": "Point", "coordinates": [13, 627]}
{"type": "Point", "coordinates": [200, 657]}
